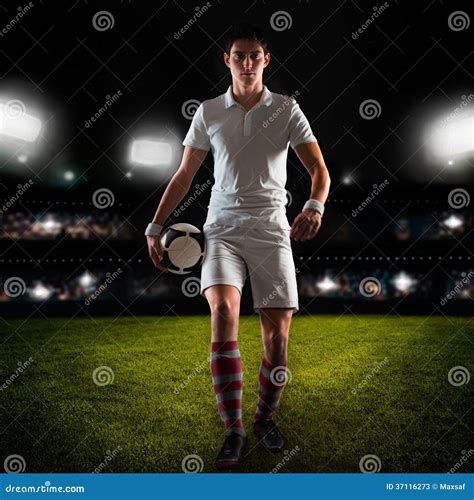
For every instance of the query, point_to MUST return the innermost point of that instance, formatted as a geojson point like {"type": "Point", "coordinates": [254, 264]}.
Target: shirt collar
{"type": "Point", "coordinates": [265, 100]}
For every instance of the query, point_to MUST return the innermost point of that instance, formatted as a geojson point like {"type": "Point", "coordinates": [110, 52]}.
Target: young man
{"type": "Point", "coordinates": [248, 129]}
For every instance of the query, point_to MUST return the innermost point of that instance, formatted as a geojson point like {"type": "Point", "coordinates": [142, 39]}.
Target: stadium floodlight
{"type": "Point", "coordinates": [16, 123]}
{"type": "Point", "coordinates": [51, 225]}
{"type": "Point", "coordinates": [453, 137]}
{"type": "Point", "coordinates": [22, 158]}
{"type": "Point", "coordinates": [40, 292]}
{"type": "Point", "coordinates": [403, 282]}
{"type": "Point", "coordinates": [347, 180]}
{"type": "Point", "coordinates": [86, 279]}
{"type": "Point", "coordinates": [327, 284]}
{"type": "Point", "coordinates": [453, 222]}
{"type": "Point", "coordinates": [69, 176]}
{"type": "Point", "coordinates": [150, 153]}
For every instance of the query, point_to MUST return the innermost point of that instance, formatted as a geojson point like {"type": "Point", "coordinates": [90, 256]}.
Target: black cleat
{"type": "Point", "coordinates": [269, 435]}
{"type": "Point", "coordinates": [231, 452]}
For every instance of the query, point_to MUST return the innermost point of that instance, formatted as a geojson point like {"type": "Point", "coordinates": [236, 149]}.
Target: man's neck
{"type": "Point", "coordinates": [247, 96]}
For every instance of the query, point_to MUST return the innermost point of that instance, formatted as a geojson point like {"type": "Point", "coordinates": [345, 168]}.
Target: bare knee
{"type": "Point", "coordinates": [224, 302]}
{"type": "Point", "coordinates": [224, 310]}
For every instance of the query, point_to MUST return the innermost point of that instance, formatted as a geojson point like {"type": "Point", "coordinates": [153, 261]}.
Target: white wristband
{"type": "Point", "coordinates": [314, 205]}
{"type": "Point", "coordinates": [153, 229]}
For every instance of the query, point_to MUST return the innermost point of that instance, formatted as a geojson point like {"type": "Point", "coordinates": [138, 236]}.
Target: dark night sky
{"type": "Point", "coordinates": [410, 61]}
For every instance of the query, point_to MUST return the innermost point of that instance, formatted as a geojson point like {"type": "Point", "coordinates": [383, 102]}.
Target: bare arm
{"type": "Point", "coordinates": [307, 223]}
{"type": "Point", "coordinates": [180, 183]}
{"type": "Point", "coordinates": [175, 191]}
{"type": "Point", "coordinates": [311, 157]}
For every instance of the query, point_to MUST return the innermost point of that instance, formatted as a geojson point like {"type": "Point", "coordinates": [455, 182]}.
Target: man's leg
{"type": "Point", "coordinates": [273, 375]}
{"type": "Point", "coordinates": [226, 369]}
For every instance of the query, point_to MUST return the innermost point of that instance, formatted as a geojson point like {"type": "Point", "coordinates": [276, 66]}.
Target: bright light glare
{"type": "Point", "coordinates": [347, 180]}
{"type": "Point", "coordinates": [18, 125]}
{"type": "Point", "coordinates": [403, 282]}
{"type": "Point", "coordinates": [40, 292]}
{"type": "Point", "coordinates": [151, 153]}
{"type": "Point", "coordinates": [453, 222]}
{"type": "Point", "coordinates": [453, 138]}
{"type": "Point", "coordinates": [51, 225]}
{"type": "Point", "coordinates": [326, 284]}
{"type": "Point", "coordinates": [86, 279]}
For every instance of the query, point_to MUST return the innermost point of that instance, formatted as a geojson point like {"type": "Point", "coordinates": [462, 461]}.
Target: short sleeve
{"type": "Point", "coordinates": [299, 127]}
{"type": "Point", "coordinates": [197, 136]}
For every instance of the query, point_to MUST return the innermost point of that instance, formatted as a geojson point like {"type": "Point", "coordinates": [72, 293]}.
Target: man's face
{"type": "Point", "coordinates": [246, 61]}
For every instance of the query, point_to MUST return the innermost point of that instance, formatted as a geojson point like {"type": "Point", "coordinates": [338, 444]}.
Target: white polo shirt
{"type": "Point", "coordinates": [250, 152]}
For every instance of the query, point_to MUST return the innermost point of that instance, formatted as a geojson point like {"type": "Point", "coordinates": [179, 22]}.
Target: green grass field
{"type": "Point", "coordinates": [160, 407]}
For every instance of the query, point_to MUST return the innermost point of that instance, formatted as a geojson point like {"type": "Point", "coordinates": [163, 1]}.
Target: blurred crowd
{"type": "Point", "coordinates": [436, 226]}
{"type": "Point", "coordinates": [57, 225]}
{"type": "Point", "coordinates": [376, 284]}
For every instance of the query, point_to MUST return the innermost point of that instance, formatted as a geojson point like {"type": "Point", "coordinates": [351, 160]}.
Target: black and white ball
{"type": "Point", "coordinates": [184, 248]}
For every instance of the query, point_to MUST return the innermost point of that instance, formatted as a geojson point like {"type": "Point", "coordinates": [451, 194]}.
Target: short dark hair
{"type": "Point", "coordinates": [246, 31]}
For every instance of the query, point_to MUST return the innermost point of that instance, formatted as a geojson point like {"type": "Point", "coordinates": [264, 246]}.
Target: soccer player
{"type": "Point", "coordinates": [248, 130]}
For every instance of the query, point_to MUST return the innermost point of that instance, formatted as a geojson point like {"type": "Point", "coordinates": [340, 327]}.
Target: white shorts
{"type": "Point", "coordinates": [233, 253]}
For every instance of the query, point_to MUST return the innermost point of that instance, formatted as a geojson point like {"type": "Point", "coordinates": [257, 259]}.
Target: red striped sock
{"type": "Point", "coordinates": [272, 381]}
{"type": "Point", "coordinates": [227, 376]}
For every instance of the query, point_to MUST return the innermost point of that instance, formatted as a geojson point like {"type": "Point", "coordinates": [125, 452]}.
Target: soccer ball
{"type": "Point", "coordinates": [184, 248]}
